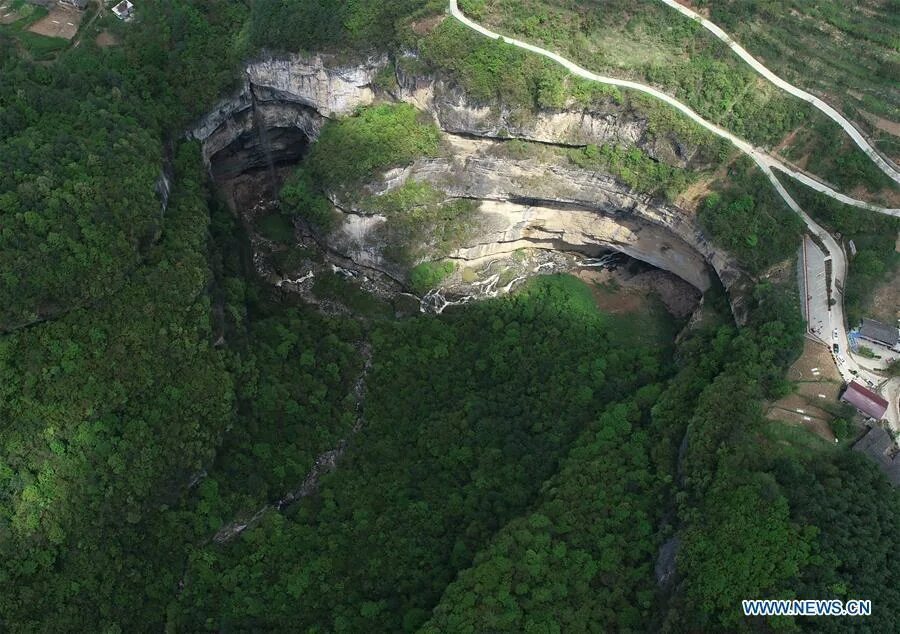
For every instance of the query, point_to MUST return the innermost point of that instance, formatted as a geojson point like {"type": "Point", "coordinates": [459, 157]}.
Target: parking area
{"type": "Point", "coordinates": [815, 299]}
{"type": "Point", "coordinates": [61, 22]}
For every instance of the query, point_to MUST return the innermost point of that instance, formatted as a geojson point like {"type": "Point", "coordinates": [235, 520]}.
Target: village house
{"type": "Point", "coordinates": [880, 333]}
{"type": "Point", "coordinates": [878, 445]}
{"type": "Point", "coordinates": [124, 10]}
{"type": "Point", "coordinates": [865, 400]}
{"type": "Point", "coordinates": [78, 4]}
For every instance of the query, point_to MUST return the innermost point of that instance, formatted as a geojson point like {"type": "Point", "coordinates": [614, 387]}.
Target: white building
{"type": "Point", "coordinates": [124, 10]}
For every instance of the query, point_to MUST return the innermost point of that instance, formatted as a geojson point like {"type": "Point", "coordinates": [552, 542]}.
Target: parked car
{"type": "Point", "coordinates": [834, 333]}
{"type": "Point", "coordinates": [836, 348]}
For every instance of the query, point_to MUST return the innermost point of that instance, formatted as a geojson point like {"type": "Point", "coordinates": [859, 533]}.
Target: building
{"type": "Point", "coordinates": [879, 446]}
{"type": "Point", "coordinates": [78, 4]}
{"type": "Point", "coordinates": [879, 333]}
{"type": "Point", "coordinates": [124, 10]}
{"type": "Point", "coordinates": [865, 400]}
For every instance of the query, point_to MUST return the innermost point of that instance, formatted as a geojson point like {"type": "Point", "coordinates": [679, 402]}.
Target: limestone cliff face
{"type": "Point", "coordinates": [524, 202]}
{"type": "Point", "coordinates": [611, 123]}
{"type": "Point", "coordinates": [540, 204]}
{"type": "Point", "coordinates": [291, 98]}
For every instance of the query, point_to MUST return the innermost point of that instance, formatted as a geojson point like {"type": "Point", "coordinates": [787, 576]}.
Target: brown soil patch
{"type": "Point", "coordinates": [704, 11]}
{"type": "Point", "coordinates": [426, 25]}
{"type": "Point", "coordinates": [891, 127]}
{"type": "Point", "coordinates": [60, 22]}
{"type": "Point", "coordinates": [800, 405]}
{"type": "Point", "coordinates": [608, 293]}
{"type": "Point", "coordinates": [818, 387]}
{"type": "Point", "coordinates": [815, 364]}
{"type": "Point", "coordinates": [694, 194]}
{"type": "Point", "coordinates": [786, 141]}
{"type": "Point", "coordinates": [885, 305]}
{"type": "Point", "coordinates": [106, 39]}
{"type": "Point", "coordinates": [620, 292]}
{"type": "Point", "coordinates": [7, 15]}
{"type": "Point", "coordinates": [819, 392]}
{"type": "Point", "coordinates": [887, 196]}
{"type": "Point", "coordinates": [819, 427]}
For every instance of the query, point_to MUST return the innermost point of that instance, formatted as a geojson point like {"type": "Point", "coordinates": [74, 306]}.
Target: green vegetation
{"type": "Point", "coordinates": [82, 149]}
{"type": "Point", "coordinates": [427, 275]}
{"type": "Point", "coordinates": [749, 219]}
{"type": "Point", "coordinates": [294, 402]}
{"type": "Point", "coordinates": [36, 47]}
{"type": "Point", "coordinates": [844, 52]}
{"type": "Point", "coordinates": [313, 25]}
{"type": "Point", "coordinates": [634, 168]}
{"type": "Point", "coordinates": [516, 584]}
{"type": "Point", "coordinates": [277, 227]}
{"type": "Point", "coordinates": [840, 428]}
{"type": "Point", "coordinates": [495, 72]}
{"type": "Point", "coordinates": [648, 41]}
{"type": "Point", "coordinates": [351, 151]}
{"type": "Point", "coordinates": [514, 464]}
{"type": "Point", "coordinates": [335, 287]}
{"type": "Point", "coordinates": [874, 235]}
{"type": "Point", "coordinates": [492, 70]}
{"type": "Point", "coordinates": [445, 458]}
{"type": "Point", "coordinates": [109, 412]}
{"type": "Point", "coordinates": [421, 223]}
{"type": "Point", "coordinates": [837, 159]}
{"type": "Point", "coordinates": [376, 138]}
{"type": "Point", "coordinates": [300, 196]}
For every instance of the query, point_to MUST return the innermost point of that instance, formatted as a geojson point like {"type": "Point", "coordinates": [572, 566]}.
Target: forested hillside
{"type": "Point", "coordinates": [516, 464]}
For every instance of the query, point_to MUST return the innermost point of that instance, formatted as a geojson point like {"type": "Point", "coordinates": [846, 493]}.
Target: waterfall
{"type": "Point", "coordinates": [262, 134]}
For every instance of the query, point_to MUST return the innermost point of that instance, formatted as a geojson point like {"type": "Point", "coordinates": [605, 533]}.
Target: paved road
{"type": "Point", "coordinates": [766, 163]}
{"type": "Point", "coordinates": [833, 114]}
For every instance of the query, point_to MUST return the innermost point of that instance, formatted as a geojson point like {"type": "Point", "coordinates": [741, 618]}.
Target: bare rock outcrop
{"type": "Point", "coordinates": [526, 202]}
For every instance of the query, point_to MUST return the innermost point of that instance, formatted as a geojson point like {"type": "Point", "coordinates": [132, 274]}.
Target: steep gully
{"type": "Point", "coordinates": [851, 368]}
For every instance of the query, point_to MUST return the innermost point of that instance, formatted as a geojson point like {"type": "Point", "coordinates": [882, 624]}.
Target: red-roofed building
{"type": "Point", "coordinates": [865, 400]}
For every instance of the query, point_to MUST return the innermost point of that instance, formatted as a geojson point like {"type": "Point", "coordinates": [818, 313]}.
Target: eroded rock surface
{"type": "Point", "coordinates": [523, 202]}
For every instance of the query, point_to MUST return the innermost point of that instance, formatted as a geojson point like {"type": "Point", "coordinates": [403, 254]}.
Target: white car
{"type": "Point", "coordinates": [840, 359]}
{"type": "Point", "coordinates": [834, 334]}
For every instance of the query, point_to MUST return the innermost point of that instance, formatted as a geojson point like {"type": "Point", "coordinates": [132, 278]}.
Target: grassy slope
{"type": "Point", "coordinates": [647, 41]}
{"type": "Point", "coordinates": [846, 52]}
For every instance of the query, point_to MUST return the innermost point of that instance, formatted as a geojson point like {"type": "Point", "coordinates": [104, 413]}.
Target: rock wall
{"type": "Point", "coordinates": [523, 202]}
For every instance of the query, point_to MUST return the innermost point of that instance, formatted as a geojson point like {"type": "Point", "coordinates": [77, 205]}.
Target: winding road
{"type": "Point", "coordinates": [759, 156]}
{"type": "Point", "coordinates": [850, 368]}
{"type": "Point", "coordinates": [833, 114]}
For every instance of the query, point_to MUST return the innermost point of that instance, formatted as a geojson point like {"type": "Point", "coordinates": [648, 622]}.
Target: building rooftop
{"type": "Point", "coordinates": [877, 331]}
{"type": "Point", "coordinates": [78, 4]}
{"type": "Point", "coordinates": [878, 445]}
{"type": "Point", "coordinates": [865, 400]}
{"type": "Point", "coordinates": [123, 9]}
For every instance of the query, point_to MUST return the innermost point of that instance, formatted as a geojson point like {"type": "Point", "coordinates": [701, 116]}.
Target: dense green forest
{"type": "Point", "coordinates": [745, 215]}
{"type": "Point", "coordinates": [511, 465]}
